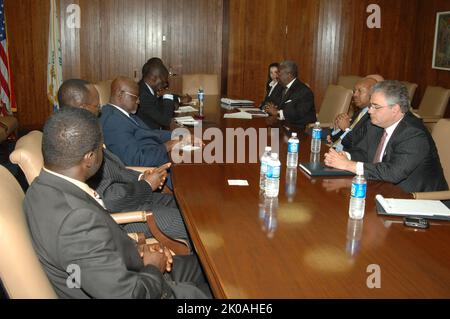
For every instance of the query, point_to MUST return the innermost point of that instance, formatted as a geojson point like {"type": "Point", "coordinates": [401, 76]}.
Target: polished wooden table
{"type": "Point", "coordinates": [303, 245]}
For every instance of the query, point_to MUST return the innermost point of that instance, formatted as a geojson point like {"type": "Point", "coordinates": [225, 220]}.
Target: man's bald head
{"type": "Point", "coordinates": [362, 91]}
{"type": "Point", "coordinates": [79, 94]}
{"type": "Point", "coordinates": [375, 77]}
{"type": "Point", "coordinates": [125, 94]}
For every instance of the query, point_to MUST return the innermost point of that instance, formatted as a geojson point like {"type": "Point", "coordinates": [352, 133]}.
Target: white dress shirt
{"type": "Point", "coordinates": [389, 130]}
{"type": "Point", "coordinates": [83, 186]}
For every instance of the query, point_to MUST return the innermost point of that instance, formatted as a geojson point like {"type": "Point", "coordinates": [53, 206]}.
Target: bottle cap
{"type": "Point", "coordinates": [318, 123]}
{"type": "Point", "coordinates": [267, 148]}
{"type": "Point", "coordinates": [294, 134]}
{"type": "Point", "coordinates": [274, 156]}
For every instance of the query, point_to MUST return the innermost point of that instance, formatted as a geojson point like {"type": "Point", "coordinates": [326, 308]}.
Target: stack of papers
{"type": "Point", "coordinates": [186, 120]}
{"type": "Point", "coordinates": [413, 207]}
{"type": "Point", "coordinates": [228, 101]}
{"type": "Point", "coordinates": [186, 109]}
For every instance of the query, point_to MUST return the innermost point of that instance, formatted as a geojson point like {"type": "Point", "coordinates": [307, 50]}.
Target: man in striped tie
{"type": "Point", "coordinates": [349, 131]}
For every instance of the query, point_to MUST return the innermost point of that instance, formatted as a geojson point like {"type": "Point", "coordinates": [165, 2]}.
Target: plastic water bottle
{"type": "Point", "coordinates": [358, 196]}
{"type": "Point", "coordinates": [316, 138]}
{"type": "Point", "coordinates": [263, 168]}
{"type": "Point", "coordinates": [201, 98]}
{"type": "Point", "coordinates": [292, 155]}
{"type": "Point", "coordinates": [273, 176]}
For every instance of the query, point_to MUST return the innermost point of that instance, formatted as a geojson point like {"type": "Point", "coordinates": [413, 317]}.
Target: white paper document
{"type": "Point", "coordinates": [186, 109]}
{"type": "Point", "coordinates": [413, 207]}
{"type": "Point", "coordinates": [186, 120]}
{"type": "Point", "coordinates": [237, 182]}
{"type": "Point", "coordinates": [238, 115]}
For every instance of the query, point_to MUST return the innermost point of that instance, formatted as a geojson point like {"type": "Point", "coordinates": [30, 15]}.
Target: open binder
{"type": "Point", "coordinates": [429, 209]}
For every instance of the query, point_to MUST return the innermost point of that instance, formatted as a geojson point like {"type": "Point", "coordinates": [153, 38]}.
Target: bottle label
{"type": "Point", "coordinates": [200, 96]}
{"type": "Point", "coordinates": [316, 133]}
{"type": "Point", "coordinates": [273, 171]}
{"type": "Point", "coordinates": [359, 190]}
{"type": "Point", "coordinates": [264, 167]}
{"type": "Point", "coordinates": [293, 147]}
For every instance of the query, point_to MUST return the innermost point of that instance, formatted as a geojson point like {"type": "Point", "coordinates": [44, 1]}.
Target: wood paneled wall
{"type": "Point", "coordinates": [328, 38]}
{"type": "Point", "coordinates": [118, 36]}
{"type": "Point", "coordinates": [27, 24]}
{"type": "Point", "coordinates": [425, 28]}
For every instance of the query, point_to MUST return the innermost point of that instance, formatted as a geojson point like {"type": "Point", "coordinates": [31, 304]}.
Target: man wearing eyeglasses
{"type": "Point", "coordinates": [349, 131]}
{"type": "Point", "coordinates": [397, 147]}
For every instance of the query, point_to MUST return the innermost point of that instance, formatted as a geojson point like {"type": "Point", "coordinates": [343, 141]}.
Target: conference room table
{"type": "Point", "coordinates": [303, 243]}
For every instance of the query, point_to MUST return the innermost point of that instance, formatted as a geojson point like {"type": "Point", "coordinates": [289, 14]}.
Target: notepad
{"type": "Point", "coordinates": [238, 115]}
{"type": "Point", "coordinates": [412, 207]}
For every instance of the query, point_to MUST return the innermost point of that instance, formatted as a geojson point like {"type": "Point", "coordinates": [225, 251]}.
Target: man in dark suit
{"type": "Point", "coordinates": [397, 147]}
{"type": "Point", "coordinates": [157, 104]}
{"type": "Point", "coordinates": [126, 135]}
{"type": "Point", "coordinates": [297, 102]}
{"type": "Point", "coordinates": [84, 253]}
{"type": "Point", "coordinates": [123, 189]}
{"type": "Point", "coordinates": [350, 131]}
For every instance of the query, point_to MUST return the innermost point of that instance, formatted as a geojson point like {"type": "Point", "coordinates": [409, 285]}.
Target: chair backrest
{"type": "Point", "coordinates": [441, 133]}
{"type": "Point", "coordinates": [28, 155]}
{"type": "Point", "coordinates": [348, 81]}
{"type": "Point", "coordinates": [411, 89]}
{"type": "Point", "coordinates": [336, 100]}
{"type": "Point", "coordinates": [434, 101]}
{"type": "Point", "coordinates": [104, 91]}
{"type": "Point", "coordinates": [20, 270]}
{"type": "Point", "coordinates": [209, 83]}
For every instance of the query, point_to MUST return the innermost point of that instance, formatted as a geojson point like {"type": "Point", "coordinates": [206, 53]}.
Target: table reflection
{"type": "Point", "coordinates": [268, 214]}
{"type": "Point", "coordinates": [354, 234]}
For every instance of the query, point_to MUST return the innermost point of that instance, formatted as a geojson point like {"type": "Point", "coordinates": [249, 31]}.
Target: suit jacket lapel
{"type": "Point", "coordinates": [288, 94]}
{"type": "Point", "coordinates": [399, 128]}
{"type": "Point", "coordinates": [67, 187]}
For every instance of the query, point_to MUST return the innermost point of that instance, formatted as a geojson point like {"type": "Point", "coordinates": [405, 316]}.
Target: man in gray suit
{"type": "Point", "coordinates": [122, 189]}
{"type": "Point", "coordinates": [84, 253]}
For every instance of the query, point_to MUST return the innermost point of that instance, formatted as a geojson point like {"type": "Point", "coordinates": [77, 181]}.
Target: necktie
{"type": "Point", "coordinates": [377, 157]}
{"type": "Point", "coordinates": [284, 91]}
{"type": "Point", "coordinates": [358, 118]}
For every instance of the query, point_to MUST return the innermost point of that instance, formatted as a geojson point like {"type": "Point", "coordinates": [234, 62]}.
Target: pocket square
{"type": "Point", "coordinates": [287, 101]}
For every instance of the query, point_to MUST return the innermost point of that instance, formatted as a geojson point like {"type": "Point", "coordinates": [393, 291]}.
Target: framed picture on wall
{"type": "Point", "coordinates": [441, 52]}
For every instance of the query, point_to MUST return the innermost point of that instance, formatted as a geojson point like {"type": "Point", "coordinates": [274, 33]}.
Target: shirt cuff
{"type": "Point", "coordinates": [168, 97]}
{"type": "Point", "coordinates": [280, 115]}
{"type": "Point", "coordinates": [348, 155]}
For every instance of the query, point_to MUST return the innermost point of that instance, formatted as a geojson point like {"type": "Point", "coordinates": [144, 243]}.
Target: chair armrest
{"type": "Point", "coordinates": [178, 247]}
{"type": "Point", "coordinates": [140, 169]}
{"type": "Point", "coordinates": [442, 195]}
{"type": "Point", "coordinates": [431, 118]}
{"type": "Point", "coordinates": [129, 217]}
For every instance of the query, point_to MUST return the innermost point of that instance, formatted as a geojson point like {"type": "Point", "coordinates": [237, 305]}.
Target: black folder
{"type": "Point", "coordinates": [319, 169]}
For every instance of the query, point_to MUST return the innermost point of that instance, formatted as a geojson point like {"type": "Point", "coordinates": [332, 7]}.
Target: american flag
{"type": "Point", "coordinates": [7, 96]}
